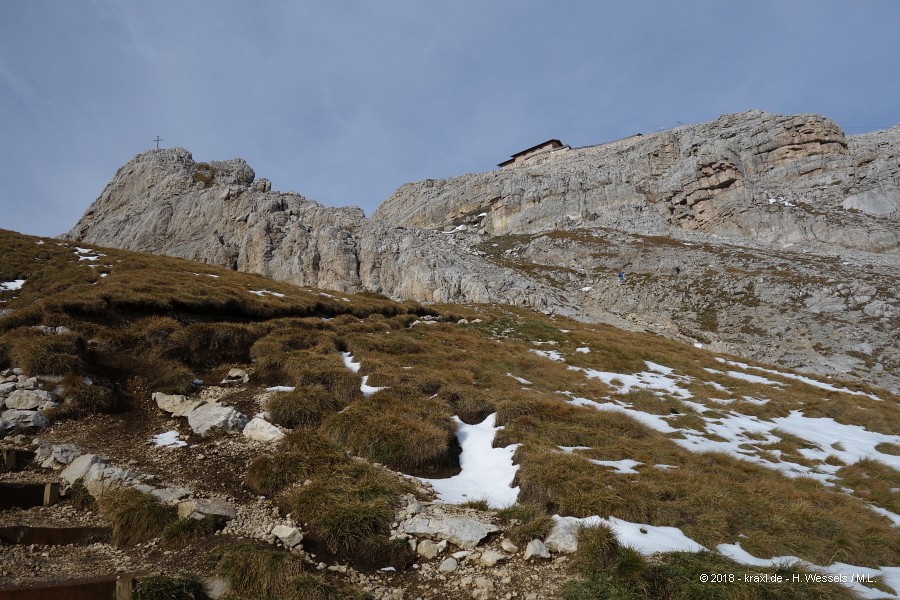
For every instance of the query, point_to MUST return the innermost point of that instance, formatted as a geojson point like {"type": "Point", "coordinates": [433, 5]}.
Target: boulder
{"type": "Point", "coordinates": [427, 549]}
{"type": "Point", "coordinates": [289, 536]}
{"type": "Point", "coordinates": [199, 508]}
{"type": "Point", "coordinates": [262, 431]}
{"type": "Point", "coordinates": [564, 535]}
{"type": "Point", "coordinates": [28, 399]}
{"type": "Point", "coordinates": [536, 548]}
{"type": "Point", "coordinates": [56, 456]}
{"type": "Point", "coordinates": [509, 546]}
{"type": "Point", "coordinates": [448, 565]}
{"type": "Point", "coordinates": [464, 532]}
{"type": "Point", "coordinates": [490, 558]}
{"type": "Point", "coordinates": [80, 466]}
{"type": "Point", "coordinates": [23, 418]}
{"type": "Point", "coordinates": [209, 416]}
{"type": "Point", "coordinates": [176, 404]}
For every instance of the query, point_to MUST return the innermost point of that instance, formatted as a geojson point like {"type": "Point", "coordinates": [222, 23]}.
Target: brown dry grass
{"type": "Point", "coordinates": [153, 322]}
{"type": "Point", "coordinates": [136, 517]}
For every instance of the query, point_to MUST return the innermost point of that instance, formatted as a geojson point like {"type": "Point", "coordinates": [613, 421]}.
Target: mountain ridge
{"type": "Point", "coordinates": [771, 237]}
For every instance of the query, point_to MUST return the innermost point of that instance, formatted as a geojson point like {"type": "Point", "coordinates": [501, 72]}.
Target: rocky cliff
{"type": "Point", "coordinates": [773, 237]}
{"type": "Point", "coordinates": [751, 176]}
{"type": "Point", "coordinates": [163, 201]}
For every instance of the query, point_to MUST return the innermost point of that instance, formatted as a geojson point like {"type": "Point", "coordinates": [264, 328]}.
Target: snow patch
{"type": "Point", "coordinates": [646, 539]}
{"type": "Point", "coordinates": [487, 472]}
{"type": "Point", "coordinates": [266, 293]}
{"type": "Point", "coordinates": [657, 377]}
{"type": "Point", "coordinates": [519, 379]}
{"type": "Point", "coordinates": [625, 466]}
{"type": "Point", "coordinates": [15, 284]}
{"type": "Point", "coordinates": [551, 354]}
{"type": "Point", "coordinates": [350, 363]}
{"type": "Point", "coordinates": [367, 389]}
{"type": "Point", "coordinates": [847, 574]}
{"type": "Point", "coordinates": [806, 380]}
{"type": "Point", "coordinates": [168, 439]}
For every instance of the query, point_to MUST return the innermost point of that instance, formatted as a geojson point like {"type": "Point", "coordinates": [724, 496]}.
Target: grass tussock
{"type": "Point", "coordinates": [304, 407]}
{"type": "Point", "coordinates": [136, 517]}
{"type": "Point", "coordinates": [42, 354]}
{"type": "Point", "coordinates": [348, 507]}
{"type": "Point", "coordinates": [260, 573]}
{"type": "Point", "coordinates": [169, 587]}
{"type": "Point", "coordinates": [184, 532]}
{"type": "Point", "coordinates": [398, 427]}
{"type": "Point", "coordinates": [527, 521]}
{"type": "Point", "coordinates": [89, 398]}
{"type": "Point", "coordinates": [300, 455]}
{"type": "Point", "coordinates": [875, 482]}
{"type": "Point", "coordinates": [80, 498]}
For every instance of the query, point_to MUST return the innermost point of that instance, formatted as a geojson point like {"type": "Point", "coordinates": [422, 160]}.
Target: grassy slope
{"type": "Point", "coordinates": [154, 323]}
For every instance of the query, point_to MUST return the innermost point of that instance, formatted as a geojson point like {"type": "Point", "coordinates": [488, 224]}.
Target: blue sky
{"type": "Point", "coordinates": [343, 101]}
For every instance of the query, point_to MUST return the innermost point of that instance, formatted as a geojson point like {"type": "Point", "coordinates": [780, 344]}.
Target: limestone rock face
{"type": "Point", "coordinates": [164, 202]}
{"type": "Point", "coordinates": [751, 176]}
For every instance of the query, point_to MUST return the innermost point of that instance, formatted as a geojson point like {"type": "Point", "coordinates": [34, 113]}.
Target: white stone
{"type": "Point", "coordinates": [23, 418]}
{"type": "Point", "coordinates": [169, 495]}
{"type": "Point", "coordinates": [241, 374]}
{"type": "Point", "coordinates": [27, 399]}
{"type": "Point", "coordinates": [55, 456]}
{"type": "Point", "coordinates": [200, 507]}
{"type": "Point", "coordinates": [427, 549]}
{"type": "Point", "coordinates": [463, 532]}
{"type": "Point", "coordinates": [509, 546]}
{"type": "Point", "coordinates": [101, 478]}
{"type": "Point", "coordinates": [262, 431]}
{"type": "Point", "coordinates": [490, 558]}
{"type": "Point", "coordinates": [289, 536]}
{"type": "Point", "coordinates": [536, 548]}
{"type": "Point", "coordinates": [448, 565]}
{"type": "Point", "coordinates": [215, 416]}
{"type": "Point", "coordinates": [215, 587]}
{"type": "Point", "coordinates": [80, 466]}
{"type": "Point", "coordinates": [176, 404]}
{"type": "Point", "coordinates": [564, 536]}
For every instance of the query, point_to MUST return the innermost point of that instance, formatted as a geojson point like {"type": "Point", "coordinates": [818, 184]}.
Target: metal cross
{"type": "Point", "coordinates": [157, 140]}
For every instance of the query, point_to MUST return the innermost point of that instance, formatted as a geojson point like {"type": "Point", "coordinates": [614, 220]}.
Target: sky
{"type": "Point", "coordinates": [344, 101]}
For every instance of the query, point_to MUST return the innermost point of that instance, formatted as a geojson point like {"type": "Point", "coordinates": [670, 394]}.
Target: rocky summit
{"type": "Point", "coordinates": [771, 237]}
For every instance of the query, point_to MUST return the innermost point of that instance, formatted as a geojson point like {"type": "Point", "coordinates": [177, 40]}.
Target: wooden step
{"type": "Point", "coordinates": [26, 495]}
{"type": "Point", "coordinates": [52, 536]}
{"type": "Point", "coordinates": [97, 588]}
{"type": "Point", "coordinates": [15, 459]}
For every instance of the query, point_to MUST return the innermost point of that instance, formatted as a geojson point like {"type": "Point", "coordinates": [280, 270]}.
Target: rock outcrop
{"type": "Point", "coordinates": [165, 202]}
{"type": "Point", "coordinates": [749, 177]}
{"type": "Point", "coordinates": [772, 237]}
